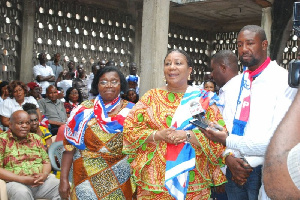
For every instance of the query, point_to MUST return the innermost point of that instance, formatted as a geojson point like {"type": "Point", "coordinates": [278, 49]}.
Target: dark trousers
{"type": "Point", "coordinates": [248, 191]}
{"type": "Point", "coordinates": [54, 129]}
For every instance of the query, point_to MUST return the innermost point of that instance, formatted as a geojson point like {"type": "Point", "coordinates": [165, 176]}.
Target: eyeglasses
{"type": "Point", "coordinates": [112, 83]}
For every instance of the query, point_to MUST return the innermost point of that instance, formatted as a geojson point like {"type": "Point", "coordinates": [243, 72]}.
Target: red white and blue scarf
{"type": "Point", "coordinates": [180, 159]}
{"type": "Point", "coordinates": [80, 116]}
{"type": "Point", "coordinates": [243, 103]}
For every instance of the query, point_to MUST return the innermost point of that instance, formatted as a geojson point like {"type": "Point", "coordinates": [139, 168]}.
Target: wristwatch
{"type": "Point", "coordinates": [188, 136]}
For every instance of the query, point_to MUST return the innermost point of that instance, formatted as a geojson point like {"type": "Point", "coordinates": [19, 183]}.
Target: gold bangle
{"type": "Point", "coordinates": [153, 136]}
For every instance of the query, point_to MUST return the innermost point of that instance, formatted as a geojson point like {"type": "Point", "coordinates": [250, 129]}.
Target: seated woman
{"type": "Point", "coordinates": [169, 156]}
{"type": "Point", "coordinates": [35, 125]}
{"type": "Point", "coordinates": [73, 99]}
{"type": "Point", "coordinates": [100, 169]}
{"type": "Point", "coordinates": [4, 94]}
{"type": "Point", "coordinates": [18, 97]}
{"type": "Point", "coordinates": [35, 90]}
{"type": "Point", "coordinates": [3, 91]}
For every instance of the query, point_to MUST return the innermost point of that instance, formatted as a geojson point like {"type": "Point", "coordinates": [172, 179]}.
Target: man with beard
{"type": "Point", "coordinates": [264, 98]}
{"type": "Point", "coordinates": [43, 73]}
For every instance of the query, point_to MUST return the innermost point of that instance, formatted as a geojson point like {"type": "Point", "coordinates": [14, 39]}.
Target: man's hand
{"type": "Point", "coordinates": [216, 136]}
{"type": "Point", "coordinates": [240, 169]}
{"type": "Point", "coordinates": [39, 179]}
{"type": "Point", "coordinates": [27, 180]}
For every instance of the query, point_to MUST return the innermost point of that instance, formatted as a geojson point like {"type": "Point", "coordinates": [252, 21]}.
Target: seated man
{"type": "Point", "coordinates": [53, 109]}
{"type": "Point", "coordinates": [24, 162]}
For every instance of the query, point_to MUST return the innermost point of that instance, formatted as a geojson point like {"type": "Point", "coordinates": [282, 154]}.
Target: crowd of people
{"type": "Point", "coordinates": [125, 147]}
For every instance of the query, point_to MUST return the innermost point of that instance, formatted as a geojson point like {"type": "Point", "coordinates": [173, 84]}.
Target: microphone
{"type": "Point", "coordinates": [199, 120]}
{"type": "Point", "coordinates": [197, 113]}
{"type": "Point", "coordinates": [196, 110]}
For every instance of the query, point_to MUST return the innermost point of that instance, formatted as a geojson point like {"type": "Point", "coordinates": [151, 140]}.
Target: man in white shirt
{"type": "Point", "coordinates": [43, 73]}
{"type": "Point", "coordinates": [225, 69]}
{"type": "Point", "coordinates": [54, 64]}
{"type": "Point", "coordinates": [264, 98]}
{"type": "Point", "coordinates": [281, 174]}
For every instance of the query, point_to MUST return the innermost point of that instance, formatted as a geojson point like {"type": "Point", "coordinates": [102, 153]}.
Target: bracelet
{"type": "Point", "coordinates": [226, 155]}
{"type": "Point", "coordinates": [188, 136]}
{"type": "Point", "coordinates": [153, 136]}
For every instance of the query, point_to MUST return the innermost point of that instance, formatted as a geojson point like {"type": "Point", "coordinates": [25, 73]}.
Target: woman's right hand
{"type": "Point", "coordinates": [64, 189]}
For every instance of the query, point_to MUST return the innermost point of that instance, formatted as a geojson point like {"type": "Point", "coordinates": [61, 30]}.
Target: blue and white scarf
{"type": "Point", "coordinates": [180, 159]}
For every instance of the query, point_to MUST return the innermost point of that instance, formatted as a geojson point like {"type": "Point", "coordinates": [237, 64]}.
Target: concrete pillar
{"type": "Point", "coordinates": [27, 34]}
{"type": "Point", "coordinates": [155, 25]}
{"type": "Point", "coordinates": [266, 24]}
{"type": "Point", "coordinates": [138, 40]}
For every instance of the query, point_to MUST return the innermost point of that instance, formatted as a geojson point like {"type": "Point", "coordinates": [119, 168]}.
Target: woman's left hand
{"type": "Point", "coordinates": [177, 136]}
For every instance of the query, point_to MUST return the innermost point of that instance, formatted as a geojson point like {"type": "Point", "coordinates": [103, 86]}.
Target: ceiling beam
{"type": "Point", "coordinates": [263, 3]}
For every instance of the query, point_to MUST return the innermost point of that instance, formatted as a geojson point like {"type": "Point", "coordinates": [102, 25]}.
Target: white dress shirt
{"type": "Point", "coordinates": [43, 71]}
{"type": "Point", "coordinates": [11, 105]}
{"type": "Point", "coordinates": [228, 95]}
{"type": "Point", "coordinates": [65, 85]}
{"type": "Point", "coordinates": [269, 101]}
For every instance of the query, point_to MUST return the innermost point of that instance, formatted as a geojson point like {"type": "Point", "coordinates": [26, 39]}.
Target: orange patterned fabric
{"type": "Point", "coordinates": [101, 170]}
{"type": "Point", "coordinates": [154, 112]}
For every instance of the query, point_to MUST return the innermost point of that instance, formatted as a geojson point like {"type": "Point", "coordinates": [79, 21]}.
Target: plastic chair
{"type": "Point", "coordinates": [3, 194]}
{"type": "Point", "coordinates": [55, 153]}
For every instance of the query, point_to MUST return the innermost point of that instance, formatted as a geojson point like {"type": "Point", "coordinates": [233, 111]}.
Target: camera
{"type": "Point", "coordinates": [294, 71]}
{"type": "Point", "coordinates": [294, 65]}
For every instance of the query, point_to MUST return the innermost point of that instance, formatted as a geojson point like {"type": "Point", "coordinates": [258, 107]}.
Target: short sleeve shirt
{"type": "Point", "coordinates": [40, 70]}
{"type": "Point", "coordinates": [22, 157]}
{"type": "Point", "coordinates": [53, 111]}
{"type": "Point", "coordinates": [9, 106]}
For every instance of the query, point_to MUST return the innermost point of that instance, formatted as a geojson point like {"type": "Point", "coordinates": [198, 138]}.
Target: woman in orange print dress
{"type": "Point", "coordinates": [158, 125]}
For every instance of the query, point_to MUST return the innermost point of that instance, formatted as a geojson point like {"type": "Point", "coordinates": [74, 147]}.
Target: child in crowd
{"type": "Point", "coordinates": [132, 96]}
